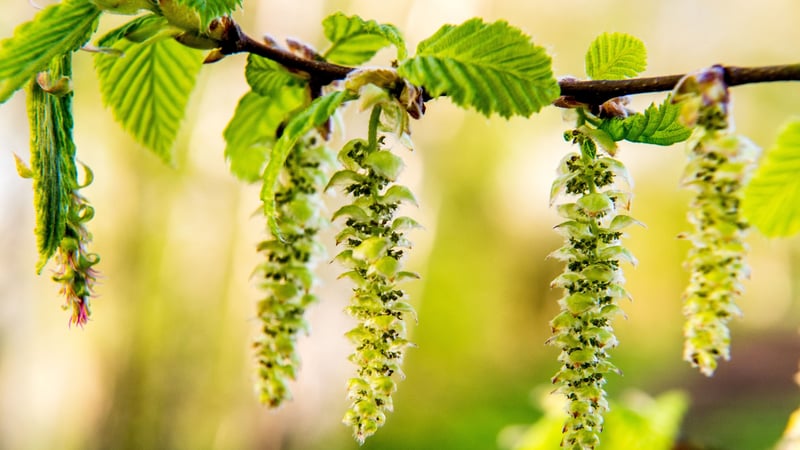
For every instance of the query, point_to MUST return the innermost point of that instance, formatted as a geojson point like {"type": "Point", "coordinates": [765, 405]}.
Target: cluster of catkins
{"type": "Point", "coordinates": [719, 165]}
{"type": "Point", "coordinates": [597, 191]}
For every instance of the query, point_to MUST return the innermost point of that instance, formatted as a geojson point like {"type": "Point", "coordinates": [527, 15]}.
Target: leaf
{"type": "Point", "coordinates": [354, 211]}
{"type": "Point", "coordinates": [148, 88]}
{"type": "Point", "coordinates": [58, 29]}
{"type": "Point", "coordinates": [252, 130]}
{"type": "Point", "coordinates": [319, 111]}
{"type": "Point", "coordinates": [355, 41]}
{"type": "Point", "coordinates": [491, 67]}
{"type": "Point", "coordinates": [659, 125]}
{"type": "Point", "coordinates": [343, 178]}
{"type": "Point", "coordinates": [615, 56]}
{"type": "Point", "coordinates": [398, 194]}
{"type": "Point", "coordinates": [385, 164]}
{"type": "Point", "coordinates": [210, 9]}
{"type": "Point", "coordinates": [267, 78]}
{"type": "Point", "coordinates": [371, 249]}
{"type": "Point", "coordinates": [52, 160]}
{"type": "Point", "coordinates": [772, 199]}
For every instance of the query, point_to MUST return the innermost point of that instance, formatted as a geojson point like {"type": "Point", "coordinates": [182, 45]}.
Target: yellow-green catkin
{"type": "Point", "coordinates": [596, 187]}
{"type": "Point", "coordinates": [374, 245]}
{"type": "Point", "coordinates": [719, 165]}
{"type": "Point", "coordinates": [286, 275]}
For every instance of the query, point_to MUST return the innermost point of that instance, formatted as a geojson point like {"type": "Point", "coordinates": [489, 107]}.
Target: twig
{"type": "Point", "coordinates": [593, 92]}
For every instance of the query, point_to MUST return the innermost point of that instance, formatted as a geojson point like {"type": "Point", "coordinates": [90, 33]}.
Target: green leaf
{"type": "Point", "coordinates": [139, 29]}
{"type": "Point", "coordinates": [772, 199]}
{"type": "Point", "coordinates": [385, 164]}
{"type": "Point", "coordinates": [354, 211]}
{"type": "Point", "coordinates": [267, 78]}
{"type": "Point", "coordinates": [317, 113]}
{"type": "Point", "coordinates": [253, 128]}
{"type": "Point", "coordinates": [371, 249]}
{"type": "Point", "coordinates": [355, 41]}
{"type": "Point", "coordinates": [56, 30]}
{"type": "Point", "coordinates": [52, 159]}
{"type": "Point", "coordinates": [494, 68]}
{"type": "Point", "coordinates": [210, 9]}
{"type": "Point", "coordinates": [595, 203]}
{"type": "Point", "coordinates": [148, 88]}
{"type": "Point", "coordinates": [615, 56]}
{"type": "Point", "coordinates": [398, 194]}
{"type": "Point", "coordinates": [659, 125]}
{"type": "Point", "coordinates": [343, 178]}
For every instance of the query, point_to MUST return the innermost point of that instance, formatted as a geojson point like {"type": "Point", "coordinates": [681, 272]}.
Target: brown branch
{"type": "Point", "coordinates": [593, 92]}
{"type": "Point", "coordinates": [596, 92]}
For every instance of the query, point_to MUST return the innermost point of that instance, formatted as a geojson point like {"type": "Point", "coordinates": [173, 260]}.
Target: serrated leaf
{"type": "Point", "coordinates": [267, 78]}
{"type": "Point", "coordinates": [319, 111]}
{"type": "Point", "coordinates": [494, 68]}
{"type": "Point", "coordinates": [772, 199]}
{"type": "Point", "coordinates": [148, 88]}
{"type": "Point", "coordinates": [615, 56]}
{"type": "Point", "coordinates": [52, 159]}
{"type": "Point", "coordinates": [658, 125]}
{"type": "Point", "coordinates": [210, 9]}
{"type": "Point", "coordinates": [252, 130]}
{"type": "Point", "coordinates": [56, 30]}
{"type": "Point", "coordinates": [355, 41]}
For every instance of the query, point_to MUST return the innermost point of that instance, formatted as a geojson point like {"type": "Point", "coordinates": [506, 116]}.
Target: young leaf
{"type": "Point", "coordinates": [266, 77]}
{"type": "Point", "coordinates": [491, 67]}
{"type": "Point", "coordinates": [137, 30]}
{"type": "Point", "coordinates": [319, 111]}
{"type": "Point", "coordinates": [58, 29]}
{"type": "Point", "coordinates": [148, 88]}
{"type": "Point", "coordinates": [52, 160]}
{"type": "Point", "coordinates": [252, 130]}
{"type": "Point", "coordinates": [355, 41]}
{"type": "Point", "coordinates": [615, 56]}
{"type": "Point", "coordinates": [207, 9]}
{"type": "Point", "coordinates": [772, 199]}
{"type": "Point", "coordinates": [659, 125]}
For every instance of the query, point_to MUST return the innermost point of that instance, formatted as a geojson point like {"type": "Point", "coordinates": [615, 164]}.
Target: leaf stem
{"type": "Point", "coordinates": [374, 120]}
{"type": "Point", "coordinates": [594, 92]}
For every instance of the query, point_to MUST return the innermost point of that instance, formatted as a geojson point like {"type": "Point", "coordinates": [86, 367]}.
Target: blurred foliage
{"type": "Point", "coordinates": [638, 422]}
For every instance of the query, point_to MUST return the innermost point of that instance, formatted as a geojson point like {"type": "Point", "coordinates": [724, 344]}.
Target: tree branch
{"type": "Point", "coordinates": [598, 91]}
{"type": "Point", "coordinates": [593, 92]}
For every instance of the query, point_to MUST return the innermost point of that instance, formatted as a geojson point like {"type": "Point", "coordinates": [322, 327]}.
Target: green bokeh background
{"type": "Point", "coordinates": [166, 362]}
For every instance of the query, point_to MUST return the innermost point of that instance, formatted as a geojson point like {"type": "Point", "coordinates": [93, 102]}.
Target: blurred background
{"type": "Point", "coordinates": [165, 361]}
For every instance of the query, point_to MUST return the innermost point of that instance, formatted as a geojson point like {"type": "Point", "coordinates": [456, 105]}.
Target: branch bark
{"type": "Point", "coordinates": [593, 92]}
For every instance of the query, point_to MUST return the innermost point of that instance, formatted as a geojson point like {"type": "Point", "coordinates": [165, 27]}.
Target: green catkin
{"type": "Point", "coordinates": [62, 212]}
{"type": "Point", "coordinates": [286, 275]}
{"type": "Point", "coordinates": [592, 282]}
{"type": "Point", "coordinates": [719, 165]}
{"type": "Point", "coordinates": [374, 243]}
